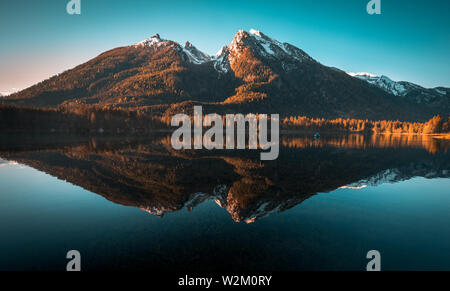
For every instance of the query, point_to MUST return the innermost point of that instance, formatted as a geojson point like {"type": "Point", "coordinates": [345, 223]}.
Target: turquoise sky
{"type": "Point", "coordinates": [410, 40]}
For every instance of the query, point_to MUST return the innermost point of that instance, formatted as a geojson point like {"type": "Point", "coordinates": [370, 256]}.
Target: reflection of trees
{"type": "Point", "coordinates": [150, 175]}
{"type": "Point", "coordinates": [371, 141]}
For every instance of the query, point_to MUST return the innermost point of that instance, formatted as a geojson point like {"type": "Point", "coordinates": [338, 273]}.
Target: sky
{"type": "Point", "coordinates": [409, 41]}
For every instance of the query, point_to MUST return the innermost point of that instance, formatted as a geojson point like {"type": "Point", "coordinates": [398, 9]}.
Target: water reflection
{"type": "Point", "coordinates": [359, 141]}
{"type": "Point", "coordinates": [148, 174]}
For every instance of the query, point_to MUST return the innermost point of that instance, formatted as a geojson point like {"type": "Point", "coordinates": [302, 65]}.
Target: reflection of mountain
{"type": "Point", "coordinates": [401, 174]}
{"type": "Point", "coordinates": [150, 175]}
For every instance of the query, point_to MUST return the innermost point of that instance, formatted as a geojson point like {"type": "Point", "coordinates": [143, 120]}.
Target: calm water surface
{"type": "Point", "coordinates": [140, 205]}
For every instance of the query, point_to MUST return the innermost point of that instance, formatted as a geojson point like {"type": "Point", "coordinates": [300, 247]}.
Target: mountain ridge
{"type": "Point", "coordinates": [419, 94]}
{"type": "Point", "coordinates": [253, 73]}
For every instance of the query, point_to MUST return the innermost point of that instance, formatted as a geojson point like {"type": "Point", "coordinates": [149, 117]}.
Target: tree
{"type": "Point", "coordinates": [434, 125]}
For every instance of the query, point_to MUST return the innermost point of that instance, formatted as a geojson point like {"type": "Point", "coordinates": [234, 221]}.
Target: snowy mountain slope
{"type": "Point", "coordinates": [382, 82]}
{"type": "Point", "coordinates": [263, 46]}
{"type": "Point", "coordinates": [195, 56]}
{"type": "Point", "coordinates": [436, 97]}
{"type": "Point", "coordinates": [190, 51]}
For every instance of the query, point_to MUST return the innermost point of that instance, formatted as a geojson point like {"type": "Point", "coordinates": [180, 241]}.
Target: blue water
{"type": "Point", "coordinates": [41, 218]}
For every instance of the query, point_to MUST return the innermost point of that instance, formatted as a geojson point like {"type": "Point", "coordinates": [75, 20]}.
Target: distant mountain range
{"type": "Point", "coordinates": [254, 73]}
{"type": "Point", "coordinates": [438, 96]}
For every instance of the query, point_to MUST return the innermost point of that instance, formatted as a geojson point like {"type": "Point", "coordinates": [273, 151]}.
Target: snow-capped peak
{"type": "Point", "coordinates": [362, 74]}
{"type": "Point", "coordinates": [221, 51]}
{"type": "Point", "coordinates": [192, 53]}
{"type": "Point", "coordinates": [382, 82]}
{"type": "Point", "coordinates": [154, 40]}
{"type": "Point", "coordinates": [195, 56]}
{"type": "Point", "coordinates": [266, 46]}
{"type": "Point", "coordinates": [258, 42]}
{"type": "Point", "coordinates": [255, 32]}
{"type": "Point", "coordinates": [221, 63]}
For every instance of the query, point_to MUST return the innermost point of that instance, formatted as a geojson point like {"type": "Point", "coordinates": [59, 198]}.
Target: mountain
{"type": "Point", "coordinates": [254, 73]}
{"type": "Point", "coordinates": [434, 97]}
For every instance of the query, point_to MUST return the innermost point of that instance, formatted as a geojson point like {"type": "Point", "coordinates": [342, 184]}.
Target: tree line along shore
{"type": "Point", "coordinates": [96, 119]}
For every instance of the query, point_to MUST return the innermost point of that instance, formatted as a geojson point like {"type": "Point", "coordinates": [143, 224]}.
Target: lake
{"type": "Point", "coordinates": [137, 204]}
